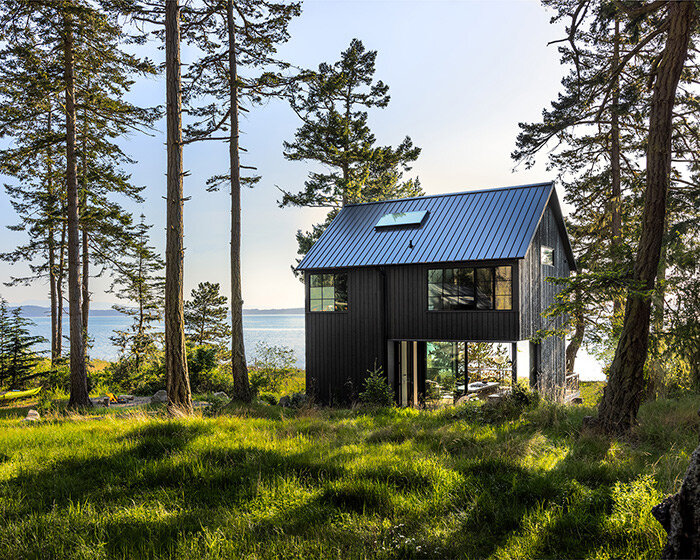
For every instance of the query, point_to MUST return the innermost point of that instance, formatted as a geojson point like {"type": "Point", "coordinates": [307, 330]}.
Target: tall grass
{"type": "Point", "coordinates": [265, 482]}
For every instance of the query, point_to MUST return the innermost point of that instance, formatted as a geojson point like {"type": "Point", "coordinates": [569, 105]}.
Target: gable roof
{"type": "Point", "coordinates": [468, 226]}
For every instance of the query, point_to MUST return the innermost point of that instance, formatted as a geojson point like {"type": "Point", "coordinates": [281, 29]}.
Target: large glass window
{"type": "Point", "coordinates": [470, 288]}
{"type": "Point", "coordinates": [328, 292]}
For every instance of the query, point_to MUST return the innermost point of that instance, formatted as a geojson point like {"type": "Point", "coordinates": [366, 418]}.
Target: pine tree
{"type": "Point", "coordinates": [21, 357]}
{"type": "Point", "coordinates": [239, 69]}
{"type": "Point", "coordinates": [87, 81]}
{"type": "Point", "coordinates": [140, 283]}
{"type": "Point", "coordinates": [206, 316]}
{"type": "Point", "coordinates": [332, 103]}
{"type": "Point", "coordinates": [653, 55]}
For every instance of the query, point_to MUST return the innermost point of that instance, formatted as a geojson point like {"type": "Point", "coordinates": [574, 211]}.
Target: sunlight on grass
{"type": "Point", "coordinates": [263, 482]}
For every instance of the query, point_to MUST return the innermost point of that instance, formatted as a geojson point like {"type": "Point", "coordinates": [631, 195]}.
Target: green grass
{"type": "Point", "coordinates": [263, 482]}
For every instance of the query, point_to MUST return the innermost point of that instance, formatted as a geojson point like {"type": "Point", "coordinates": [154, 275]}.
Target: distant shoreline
{"type": "Point", "coordinates": [39, 311]}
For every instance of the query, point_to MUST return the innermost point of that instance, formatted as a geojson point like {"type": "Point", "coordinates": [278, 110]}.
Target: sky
{"type": "Point", "coordinates": [462, 75]}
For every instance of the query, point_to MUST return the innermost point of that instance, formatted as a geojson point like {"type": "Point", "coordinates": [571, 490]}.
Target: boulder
{"type": "Point", "coordinates": [160, 397]}
{"type": "Point", "coordinates": [679, 515]}
{"type": "Point", "coordinates": [125, 398]}
{"type": "Point", "coordinates": [32, 416]}
{"type": "Point", "coordinates": [295, 400]}
{"type": "Point", "coordinates": [221, 395]}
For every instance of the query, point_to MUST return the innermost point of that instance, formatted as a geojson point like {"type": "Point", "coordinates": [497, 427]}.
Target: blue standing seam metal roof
{"type": "Point", "coordinates": [468, 226]}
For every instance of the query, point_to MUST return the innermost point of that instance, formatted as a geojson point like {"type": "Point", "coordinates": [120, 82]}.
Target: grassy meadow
{"type": "Point", "coordinates": [266, 482]}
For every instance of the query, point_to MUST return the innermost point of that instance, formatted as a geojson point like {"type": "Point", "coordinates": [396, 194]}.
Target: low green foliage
{"type": "Point", "coordinates": [377, 391]}
{"type": "Point", "coordinates": [264, 482]}
{"type": "Point", "coordinates": [271, 367]}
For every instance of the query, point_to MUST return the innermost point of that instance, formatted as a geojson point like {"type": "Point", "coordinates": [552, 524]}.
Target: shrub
{"type": "Point", "coordinates": [272, 365]}
{"type": "Point", "coordinates": [268, 398]}
{"type": "Point", "coordinates": [377, 391]}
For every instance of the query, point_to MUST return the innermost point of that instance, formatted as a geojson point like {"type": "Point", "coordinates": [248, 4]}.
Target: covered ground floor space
{"type": "Point", "coordinates": [434, 373]}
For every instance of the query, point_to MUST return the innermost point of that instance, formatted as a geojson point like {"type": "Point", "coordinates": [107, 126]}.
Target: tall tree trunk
{"type": "Point", "coordinates": [576, 340]}
{"type": "Point", "coordinates": [85, 284]}
{"type": "Point", "coordinates": [53, 213]}
{"type": "Point", "coordinates": [620, 403]}
{"type": "Point", "coordinates": [616, 198]}
{"type": "Point", "coordinates": [60, 277]}
{"type": "Point", "coordinates": [78, 376]}
{"type": "Point", "coordinates": [177, 378]}
{"type": "Point", "coordinates": [85, 289]}
{"type": "Point", "coordinates": [241, 387]}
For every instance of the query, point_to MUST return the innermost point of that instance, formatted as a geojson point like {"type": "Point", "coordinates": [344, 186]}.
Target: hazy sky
{"type": "Point", "coordinates": [461, 76]}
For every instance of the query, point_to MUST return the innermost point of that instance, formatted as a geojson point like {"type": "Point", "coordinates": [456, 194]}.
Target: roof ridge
{"type": "Point", "coordinates": [530, 186]}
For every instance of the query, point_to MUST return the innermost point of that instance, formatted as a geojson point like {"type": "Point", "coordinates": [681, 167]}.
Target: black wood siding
{"type": "Point", "coordinates": [409, 318]}
{"type": "Point", "coordinates": [536, 295]}
{"type": "Point", "coordinates": [341, 347]}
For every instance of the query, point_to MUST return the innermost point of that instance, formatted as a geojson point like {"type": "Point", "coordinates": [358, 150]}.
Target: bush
{"type": "Point", "coordinates": [377, 391]}
{"type": "Point", "coordinates": [510, 407]}
{"type": "Point", "coordinates": [272, 365]}
{"type": "Point", "coordinates": [268, 398]}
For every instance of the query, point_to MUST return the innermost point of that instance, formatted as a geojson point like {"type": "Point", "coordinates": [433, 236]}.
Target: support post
{"type": "Point", "coordinates": [514, 361]}
{"type": "Point", "coordinates": [466, 368]}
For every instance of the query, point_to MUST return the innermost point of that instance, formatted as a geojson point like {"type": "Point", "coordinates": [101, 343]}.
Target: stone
{"type": "Point", "coordinates": [221, 395]}
{"type": "Point", "coordinates": [284, 401]}
{"type": "Point", "coordinates": [160, 397]}
{"type": "Point", "coordinates": [464, 399]}
{"type": "Point", "coordinates": [125, 398]}
{"type": "Point", "coordinates": [32, 416]}
{"type": "Point", "coordinates": [679, 515]}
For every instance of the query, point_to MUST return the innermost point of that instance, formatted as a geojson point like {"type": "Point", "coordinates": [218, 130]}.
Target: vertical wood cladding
{"type": "Point", "coordinates": [537, 294]}
{"type": "Point", "coordinates": [409, 318]}
{"type": "Point", "coordinates": [342, 346]}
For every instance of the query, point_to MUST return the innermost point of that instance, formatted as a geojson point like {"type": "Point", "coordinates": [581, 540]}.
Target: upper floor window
{"type": "Point", "coordinates": [470, 288]}
{"type": "Point", "coordinates": [548, 256]}
{"type": "Point", "coordinates": [328, 292]}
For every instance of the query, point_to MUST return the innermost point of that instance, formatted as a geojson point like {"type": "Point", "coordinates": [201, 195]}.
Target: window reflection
{"type": "Point", "coordinates": [328, 292]}
{"type": "Point", "coordinates": [470, 288]}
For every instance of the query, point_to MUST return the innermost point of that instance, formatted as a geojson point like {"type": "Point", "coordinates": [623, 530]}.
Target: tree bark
{"type": "Point", "coordinates": [620, 403]}
{"type": "Point", "coordinates": [59, 288]}
{"type": "Point", "coordinates": [616, 179]}
{"type": "Point", "coordinates": [78, 376]}
{"type": "Point", "coordinates": [85, 290]}
{"type": "Point", "coordinates": [576, 340]}
{"type": "Point", "coordinates": [177, 378]}
{"type": "Point", "coordinates": [239, 368]}
{"type": "Point", "coordinates": [51, 239]}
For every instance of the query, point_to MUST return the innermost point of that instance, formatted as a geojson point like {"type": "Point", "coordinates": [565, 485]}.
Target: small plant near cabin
{"type": "Point", "coordinates": [377, 391]}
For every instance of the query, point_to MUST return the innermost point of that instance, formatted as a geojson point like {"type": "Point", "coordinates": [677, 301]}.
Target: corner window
{"type": "Point", "coordinates": [328, 292]}
{"type": "Point", "coordinates": [456, 289]}
{"type": "Point", "coordinates": [548, 256]}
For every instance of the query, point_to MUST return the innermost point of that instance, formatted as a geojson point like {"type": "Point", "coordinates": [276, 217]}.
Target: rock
{"type": "Point", "coordinates": [160, 397]}
{"type": "Point", "coordinates": [295, 400]}
{"type": "Point", "coordinates": [105, 401]}
{"type": "Point", "coordinates": [679, 515]}
{"type": "Point", "coordinates": [125, 398]}
{"type": "Point", "coordinates": [221, 395]}
{"type": "Point", "coordinates": [464, 399]}
{"type": "Point", "coordinates": [32, 416]}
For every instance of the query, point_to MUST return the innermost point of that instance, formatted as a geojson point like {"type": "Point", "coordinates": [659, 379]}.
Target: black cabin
{"type": "Point", "coordinates": [387, 278]}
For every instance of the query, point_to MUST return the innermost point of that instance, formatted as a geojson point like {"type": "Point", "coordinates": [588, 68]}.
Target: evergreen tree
{"type": "Point", "coordinates": [206, 316]}
{"type": "Point", "coordinates": [645, 64]}
{"type": "Point", "coordinates": [88, 81]}
{"type": "Point", "coordinates": [21, 358]}
{"type": "Point", "coordinates": [332, 104]}
{"type": "Point", "coordinates": [141, 284]}
{"type": "Point", "coordinates": [234, 36]}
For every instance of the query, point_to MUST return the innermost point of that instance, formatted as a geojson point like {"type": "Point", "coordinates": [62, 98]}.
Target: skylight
{"type": "Point", "coordinates": [402, 219]}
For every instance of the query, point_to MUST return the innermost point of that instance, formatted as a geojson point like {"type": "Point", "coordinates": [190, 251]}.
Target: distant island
{"type": "Point", "coordinates": [39, 311]}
